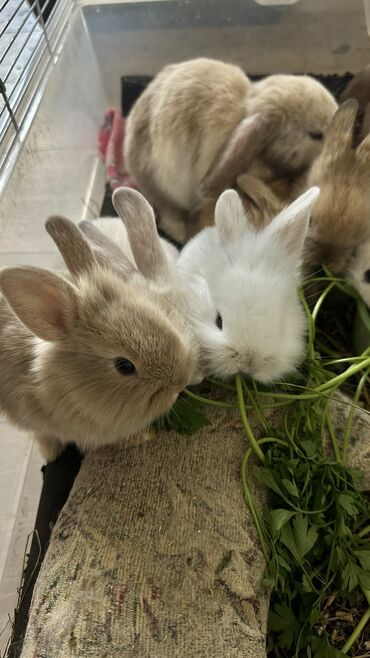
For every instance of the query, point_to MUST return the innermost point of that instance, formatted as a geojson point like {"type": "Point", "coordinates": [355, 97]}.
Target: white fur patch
{"type": "Point", "coordinates": [40, 349]}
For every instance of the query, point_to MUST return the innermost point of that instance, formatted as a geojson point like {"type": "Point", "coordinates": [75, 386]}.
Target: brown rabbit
{"type": "Point", "coordinates": [201, 123]}
{"type": "Point", "coordinates": [340, 221]}
{"type": "Point", "coordinates": [92, 358]}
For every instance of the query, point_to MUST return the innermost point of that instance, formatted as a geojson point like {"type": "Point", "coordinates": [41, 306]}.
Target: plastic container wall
{"type": "Point", "coordinates": [58, 168]}
{"type": "Point", "coordinates": [309, 36]}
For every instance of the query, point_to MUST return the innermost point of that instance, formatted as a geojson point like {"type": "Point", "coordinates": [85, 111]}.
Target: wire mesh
{"type": "Point", "coordinates": [28, 46]}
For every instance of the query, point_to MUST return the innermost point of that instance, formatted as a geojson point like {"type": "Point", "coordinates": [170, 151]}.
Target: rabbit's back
{"type": "Point", "coordinates": [180, 123]}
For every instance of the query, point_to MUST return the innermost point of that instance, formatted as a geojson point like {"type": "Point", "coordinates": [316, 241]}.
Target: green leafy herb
{"type": "Point", "coordinates": [184, 417]}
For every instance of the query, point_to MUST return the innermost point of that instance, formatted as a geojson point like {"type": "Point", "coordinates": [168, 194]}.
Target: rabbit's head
{"type": "Point", "coordinates": [253, 277]}
{"type": "Point", "coordinates": [298, 110]}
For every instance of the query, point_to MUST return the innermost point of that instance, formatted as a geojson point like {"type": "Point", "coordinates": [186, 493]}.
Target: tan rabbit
{"type": "Point", "coordinates": [340, 221]}
{"type": "Point", "coordinates": [201, 123]}
{"type": "Point", "coordinates": [91, 358]}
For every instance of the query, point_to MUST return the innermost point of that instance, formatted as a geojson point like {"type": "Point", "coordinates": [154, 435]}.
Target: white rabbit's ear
{"type": "Point", "coordinates": [138, 217]}
{"type": "Point", "coordinates": [290, 227]}
{"type": "Point", "coordinates": [75, 249]}
{"type": "Point", "coordinates": [107, 252]}
{"type": "Point", "coordinates": [230, 218]}
{"type": "Point", "coordinates": [43, 302]}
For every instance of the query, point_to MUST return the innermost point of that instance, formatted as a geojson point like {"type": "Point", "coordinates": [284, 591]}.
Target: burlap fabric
{"type": "Point", "coordinates": [155, 554]}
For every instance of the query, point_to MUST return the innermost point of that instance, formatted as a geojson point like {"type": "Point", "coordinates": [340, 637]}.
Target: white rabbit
{"type": "Point", "coordinates": [252, 278]}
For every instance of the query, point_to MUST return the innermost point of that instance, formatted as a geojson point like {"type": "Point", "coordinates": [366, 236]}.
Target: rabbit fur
{"type": "Point", "coordinates": [60, 338]}
{"type": "Point", "coordinates": [340, 220]}
{"type": "Point", "coordinates": [206, 119]}
{"type": "Point", "coordinates": [116, 236]}
{"type": "Point", "coordinates": [252, 277]}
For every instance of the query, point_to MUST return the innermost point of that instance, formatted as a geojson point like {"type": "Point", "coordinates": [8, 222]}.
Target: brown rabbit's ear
{"type": "Point", "coordinates": [43, 302]}
{"type": "Point", "coordinates": [259, 194]}
{"type": "Point", "coordinates": [107, 252]}
{"type": "Point", "coordinates": [339, 135]}
{"type": "Point", "coordinates": [248, 140]}
{"type": "Point", "coordinates": [138, 218]}
{"type": "Point", "coordinates": [75, 249]}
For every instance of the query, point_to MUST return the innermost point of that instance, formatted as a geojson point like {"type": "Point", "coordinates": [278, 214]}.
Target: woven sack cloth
{"type": "Point", "coordinates": [155, 554]}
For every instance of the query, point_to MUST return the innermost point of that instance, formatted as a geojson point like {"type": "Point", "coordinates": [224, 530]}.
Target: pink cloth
{"type": "Point", "coordinates": [110, 143]}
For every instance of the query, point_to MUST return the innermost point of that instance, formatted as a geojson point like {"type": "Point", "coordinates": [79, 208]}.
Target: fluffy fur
{"type": "Point", "coordinates": [261, 201]}
{"type": "Point", "coordinates": [206, 119]}
{"type": "Point", "coordinates": [59, 339]}
{"type": "Point", "coordinates": [113, 229]}
{"type": "Point", "coordinates": [341, 219]}
{"type": "Point", "coordinates": [252, 278]}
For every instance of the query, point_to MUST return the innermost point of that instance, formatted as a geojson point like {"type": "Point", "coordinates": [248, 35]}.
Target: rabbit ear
{"type": "Point", "coordinates": [43, 302]}
{"type": "Point", "coordinates": [290, 227]}
{"type": "Point", "coordinates": [230, 218]}
{"type": "Point", "coordinates": [248, 140]}
{"type": "Point", "coordinates": [138, 217]}
{"type": "Point", "coordinates": [339, 135]}
{"type": "Point", "coordinates": [75, 249]}
{"type": "Point", "coordinates": [107, 252]}
{"type": "Point", "coordinates": [259, 195]}
{"type": "Point", "coordinates": [363, 153]}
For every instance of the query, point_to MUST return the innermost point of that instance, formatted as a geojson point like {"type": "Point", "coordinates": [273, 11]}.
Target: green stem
{"type": "Point", "coordinates": [250, 502]}
{"type": "Point", "coordinates": [243, 414]}
{"type": "Point", "coordinates": [324, 348]}
{"type": "Point", "coordinates": [359, 628]}
{"type": "Point", "coordinates": [320, 301]}
{"type": "Point", "coordinates": [255, 405]}
{"type": "Point", "coordinates": [248, 496]}
{"type": "Point", "coordinates": [215, 403]}
{"type": "Point", "coordinates": [347, 359]}
{"type": "Point", "coordinates": [227, 387]}
{"type": "Point", "coordinates": [337, 381]}
{"type": "Point", "coordinates": [364, 532]}
{"type": "Point", "coordinates": [311, 325]}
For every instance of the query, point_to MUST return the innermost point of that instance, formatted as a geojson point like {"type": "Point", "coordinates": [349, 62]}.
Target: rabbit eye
{"type": "Point", "coordinates": [316, 135]}
{"type": "Point", "coordinates": [219, 321]}
{"type": "Point", "coordinates": [367, 276]}
{"type": "Point", "coordinates": [124, 366]}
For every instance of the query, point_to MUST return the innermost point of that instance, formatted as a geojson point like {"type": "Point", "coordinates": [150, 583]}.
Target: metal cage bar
{"type": "Point", "coordinates": [28, 46]}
